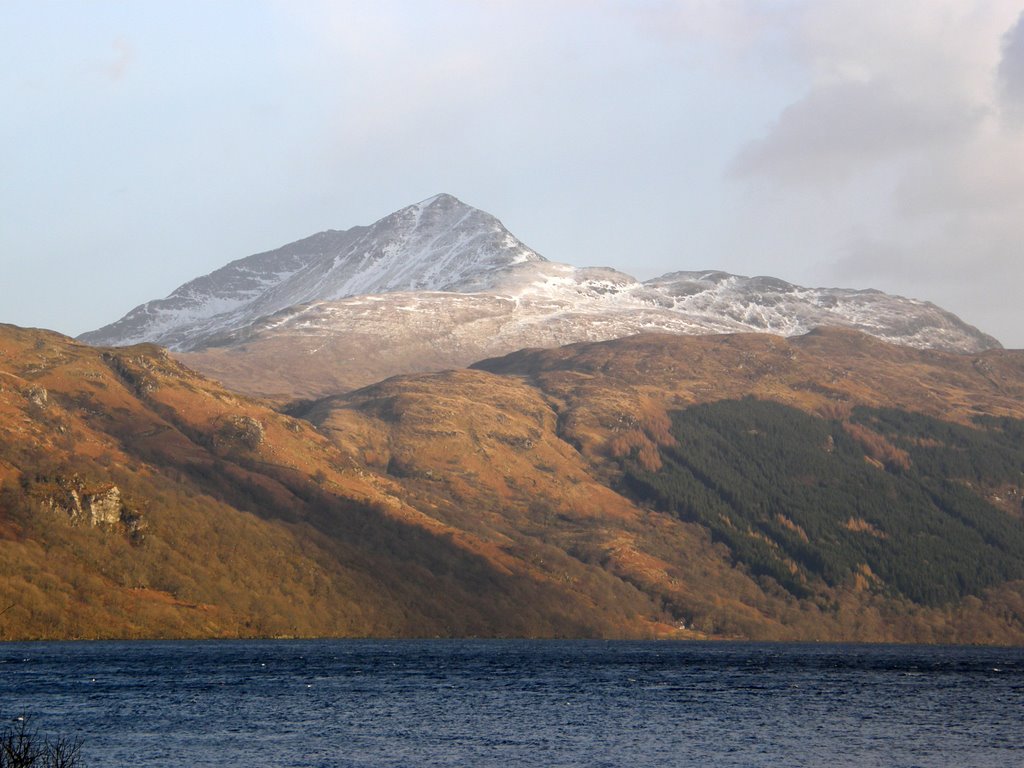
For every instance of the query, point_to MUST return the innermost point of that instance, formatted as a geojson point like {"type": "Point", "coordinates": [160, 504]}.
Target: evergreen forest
{"type": "Point", "coordinates": [905, 504]}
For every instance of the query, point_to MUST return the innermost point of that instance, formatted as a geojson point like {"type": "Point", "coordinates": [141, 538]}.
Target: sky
{"type": "Point", "coordinates": [837, 143]}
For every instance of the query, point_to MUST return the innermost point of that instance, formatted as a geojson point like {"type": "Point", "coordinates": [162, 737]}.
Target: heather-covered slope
{"type": "Point", "coordinates": [138, 499]}
{"type": "Point", "coordinates": [571, 450]}
{"type": "Point", "coordinates": [662, 485]}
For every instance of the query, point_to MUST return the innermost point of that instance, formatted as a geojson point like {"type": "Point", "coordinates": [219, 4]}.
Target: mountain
{"type": "Point", "coordinates": [440, 284]}
{"type": "Point", "coordinates": [828, 486]}
{"type": "Point", "coordinates": [322, 348]}
{"type": "Point", "coordinates": [437, 244]}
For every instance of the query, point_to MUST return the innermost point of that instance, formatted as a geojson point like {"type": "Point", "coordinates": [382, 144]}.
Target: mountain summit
{"type": "Point", "coordinates": [438, 244]}
{"type": "Point", "coordinates": [440, 285]}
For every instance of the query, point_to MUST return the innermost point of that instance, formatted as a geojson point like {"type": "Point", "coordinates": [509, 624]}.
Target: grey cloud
{"type": "Point", "coordinates": [983, 179]}
{"type": "Point", "coordinates": [970, 266]}
{"type": "Point", "coordinates": [1011, 67]}
{"type": "Point", "coordinates": [866, 258]}
{"type": "Point", "coordinates": [837, 129]}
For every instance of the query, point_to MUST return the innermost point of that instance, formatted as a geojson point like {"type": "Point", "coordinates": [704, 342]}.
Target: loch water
{"type": "Point", "coordinates": [520, 703]}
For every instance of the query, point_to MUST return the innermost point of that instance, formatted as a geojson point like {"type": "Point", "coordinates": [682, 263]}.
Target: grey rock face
{"type": "Point", "coordinates": [103, 507]}
{"type": "Point", "coordinates": [96, 507]}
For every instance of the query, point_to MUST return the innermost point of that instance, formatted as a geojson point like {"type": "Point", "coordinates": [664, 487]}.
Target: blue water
{"type": "Point", "coordinates": [520, 703]}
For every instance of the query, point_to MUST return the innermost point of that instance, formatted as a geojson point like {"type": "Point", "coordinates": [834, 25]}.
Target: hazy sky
{"type": "Point", "coordinates": [827, 142]}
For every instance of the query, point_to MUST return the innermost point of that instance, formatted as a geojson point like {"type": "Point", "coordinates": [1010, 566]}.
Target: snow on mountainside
{"type": "Point", "coordinates": [449, 282]}
{"type": "Point", "coordinates": [767, 304]}
{"type": "Point", "coordinates": [433, 245]}
{"type": "Point", "coordinates": [325, 347]}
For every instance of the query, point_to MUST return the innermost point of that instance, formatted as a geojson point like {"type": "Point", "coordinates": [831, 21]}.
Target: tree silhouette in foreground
{"type": "Point", "coordinates": [23, 747]}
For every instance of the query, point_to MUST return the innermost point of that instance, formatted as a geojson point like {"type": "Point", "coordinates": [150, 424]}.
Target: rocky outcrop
{"type": "Point", "coordinates": [37, 396]}
{"type": "Point", "coordinates": [96, 506]}
{"type": "Point", "coordinates": [240, 432]}
{"type": "Point", "coordinates": [136, 371]}
{"type": "Point", "coordinates": [103, 507]}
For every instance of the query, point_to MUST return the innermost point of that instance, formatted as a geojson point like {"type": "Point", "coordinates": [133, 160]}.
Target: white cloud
{"type": "Point", "coordinates": [982, 175]}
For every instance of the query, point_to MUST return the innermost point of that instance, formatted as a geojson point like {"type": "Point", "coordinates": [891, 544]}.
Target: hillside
{"type": "Point", "coordinates": [659, 485]}
{"type": "Point", "coordinates": [141, 500]}
{"type": "Point", "coordinates": [564, 452]}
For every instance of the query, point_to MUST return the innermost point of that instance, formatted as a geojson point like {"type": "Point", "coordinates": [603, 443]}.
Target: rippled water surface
{"type": "Point", "coordinates": [521, 703]}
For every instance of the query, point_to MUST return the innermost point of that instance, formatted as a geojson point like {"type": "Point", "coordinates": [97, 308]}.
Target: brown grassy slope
{"type": "Point", "coordinates": [606, 388]}
{"type": "Point", "coordinates": [253, 522]}
{"type": "Point", "coordinates": [476, 502]}
{"type": "Point", "coordinates": [521, 452]}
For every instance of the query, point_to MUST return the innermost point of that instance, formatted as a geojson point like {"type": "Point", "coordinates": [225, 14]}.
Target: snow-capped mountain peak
{"type": "Point", "coordinates": [433, 245]}
{"type": "Point", "coordinates": [440, 272]}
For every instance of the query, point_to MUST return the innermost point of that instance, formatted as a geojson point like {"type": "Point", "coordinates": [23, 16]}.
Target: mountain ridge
{"type": "Point", "coordinates": [430, 244]}
{"type": "Point", "coordinates": [340, 346]}
{"type": "Point", "coordinates": [442, 255]}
